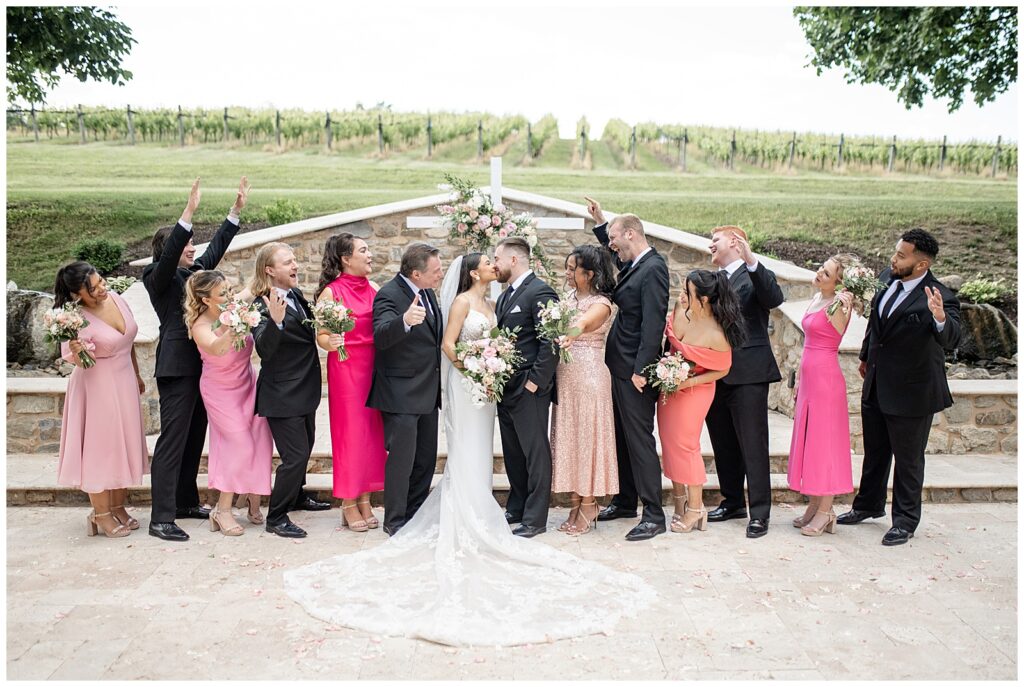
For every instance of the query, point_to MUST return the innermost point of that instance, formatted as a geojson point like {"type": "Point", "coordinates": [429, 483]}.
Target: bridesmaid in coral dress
{"type": "Point", "coordinates": [241, 447]}
{"type": "Point", "coordinates": [102, 440]}
{"type": "Point", "coordinates": [357, 432]}
{"type": "Point", "coordinates": [819, 455]}
{"type": "Point", "coordinates": [705, 325]}
{"type": "Point", "coordinates": [583, 461]}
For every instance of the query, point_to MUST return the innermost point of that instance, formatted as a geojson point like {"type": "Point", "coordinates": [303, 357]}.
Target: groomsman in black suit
{"type": "Point", "coordinates": [634, 342]}
{"type": "Point", "coordinates": [912, 322]}
{"type": "Point", "coordinates": [738, 418]}
{"type": "Point", "coordinates": [288, 388]}
{"type": "Point", "coordinates": [526, 401]}
{"type": "Point", "coordinates": [406, 388]}
{"type": "Point", "coordinates": [178, 366]}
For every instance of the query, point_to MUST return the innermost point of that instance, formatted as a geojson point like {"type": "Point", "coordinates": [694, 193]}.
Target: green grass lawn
{"type": "Point", "coordinates": [60, 194]}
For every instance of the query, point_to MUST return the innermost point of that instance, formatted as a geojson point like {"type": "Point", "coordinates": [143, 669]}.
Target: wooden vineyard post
{"type": "Point", "coordinates": [995, 156]}
{"type": "Point", "coordinates": [131, 126]}
{"type": "Point", "coordinates": [327, 130]}
{"type": "Point", "coordinates": [942, 155]}
{"type": "Point", "coordinates": [81, 123]}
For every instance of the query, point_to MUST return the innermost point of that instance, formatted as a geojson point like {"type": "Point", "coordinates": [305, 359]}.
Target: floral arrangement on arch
{"type": "Point", "coordinates": [470, 217]}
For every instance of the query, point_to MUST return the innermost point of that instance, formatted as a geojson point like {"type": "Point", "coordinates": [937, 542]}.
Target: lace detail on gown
{"type": "Point", "coordinates": [455, 573]}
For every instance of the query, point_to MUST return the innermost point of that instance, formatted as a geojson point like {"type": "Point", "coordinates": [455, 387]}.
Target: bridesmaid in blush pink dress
{"type": "Point", "coordinates": [241, 447]}
{"type": "Point", "coordinates": [357, 432]}
{"type": "Point", "coordinates": [102, 440]}
{"type": "Point", "coordinates": [819, 454]}
{"type": "Point", "coordinates": [704, 327]}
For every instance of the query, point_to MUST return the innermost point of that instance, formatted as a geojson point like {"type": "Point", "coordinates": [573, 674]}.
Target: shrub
{"type": "Point", "coordinates": [981, 290]}
{"type": "Point", "coordinates": [283, 211]}
{"type": "Point", "coordinates": [103, 254]}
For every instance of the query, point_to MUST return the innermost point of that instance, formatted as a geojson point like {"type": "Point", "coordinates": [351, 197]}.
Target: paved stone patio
{"type": "Point", "coordinates": [785, 606]}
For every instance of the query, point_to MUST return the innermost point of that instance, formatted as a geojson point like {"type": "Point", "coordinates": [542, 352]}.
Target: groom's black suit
{"type": "Point", "coordinates": [178, 367]}
{"type": "Point", "coordinates": [738, 418]}
{"type": "Point", "coordinates": [287, 394]}
{"type": "Point", "coordinates": [904, 386]}
{"type": "Point", "coordinates": [406, 389]}
{"type": "Point", "coordinates": [634, 342]}
{"type": "Point", "coordinates": [522, 415]}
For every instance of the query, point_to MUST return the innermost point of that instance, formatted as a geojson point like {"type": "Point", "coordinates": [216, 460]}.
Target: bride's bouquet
{"type": "Point", "coordinates": [63, 324]}
{"type": "Point", "coordinates": [488, 364]}
{"type": "Point", "coordinates": [470, 216]}
{"type": "Point", "coordinates": [555, 322]}
{"type": "Point", "coordinates": [668, 374]}
{"type": "Point", "coordinates": [334, 317]}
{"type": "Point", "coordinates": [239, 317]}
{"type": "Point", "coordinates": [862, 283]}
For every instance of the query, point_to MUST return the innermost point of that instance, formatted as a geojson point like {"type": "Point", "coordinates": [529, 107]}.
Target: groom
{"type": "Point", "coordinates": [406, 388]}
{"type": "Point", "coordinates": [524, 406]}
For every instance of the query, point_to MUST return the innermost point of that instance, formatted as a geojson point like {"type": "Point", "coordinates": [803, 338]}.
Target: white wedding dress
{"type": "Point", "coordinates": [455, 573]}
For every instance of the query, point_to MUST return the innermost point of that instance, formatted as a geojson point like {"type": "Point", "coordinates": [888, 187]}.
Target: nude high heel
{"type": "Point", "coordinates": [92, 528]}
{"type": "Point", "coordinates": [215, 525]}
{"type": "Point", "coordinates": [829, 526]}
{"type": "Point", "coordinates": [701, 523]}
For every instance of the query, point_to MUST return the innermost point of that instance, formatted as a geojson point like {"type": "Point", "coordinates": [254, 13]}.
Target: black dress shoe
{"type": "Point", "coordinates": [854, 516]}
{"type": "Point", "coordinates": [168, 531]}
{"type": "Point", "coordinates": [722, 513]}
{"type": "Point", "coordinates": [528, 531]}
{"type": "Point", "coordinates": [757, 528]}
{"type": "Point", "coordinates": [307, 502]}
{"type": "Point", "coordinates": [391, 530]}
{"type": "Point", "coordinates": [197, 512]}
{"type": "Point", "coordinates": [512, 519]}
{"type": "Point", "coordinates": [614, 512]}
{"type": "Point", "coordinates": [645, 530]}
{"type": "Point", "coordinates": [286, 528]}
{"type": "Point", "coordinates": [896, 536]}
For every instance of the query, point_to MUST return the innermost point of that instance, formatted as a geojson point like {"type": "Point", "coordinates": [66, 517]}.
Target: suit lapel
{"type": "Point", "coordinates": [628, 271]}
{"type": "Point", "coordinates": [897, 312]}
{"type": "Point", "coordinates": [509, 302]}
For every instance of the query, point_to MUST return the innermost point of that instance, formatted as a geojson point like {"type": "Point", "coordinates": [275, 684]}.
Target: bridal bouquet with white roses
{"type": "Point", "coordinates": [471, 217]}
{"type": "Point", "coordinates": [335, 318]}
{"type": "Point", "coordinates": [239, 317]}
{"type": "Point", "coordinates": [668, 374]}
{"type": "Point", "coordinates": [488, 364]}
{"type": "Point", "coordinates": [556, 319]}
{"type": "Point", "coordinates": [63, 324]}
{"type": "Point", "coordinates": [862, 283]}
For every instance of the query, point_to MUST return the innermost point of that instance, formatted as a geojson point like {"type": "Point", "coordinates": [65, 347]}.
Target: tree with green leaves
{"type": "Point", "coordinates": [917, 51]}
{"type": "Point", "coordinates": [43, 43]}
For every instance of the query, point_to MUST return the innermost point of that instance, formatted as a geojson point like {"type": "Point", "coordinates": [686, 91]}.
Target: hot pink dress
{"type": "Point", "coordinates": [682, 414]}
{"type": "Point", "coordinates": [102, 440]}
{"type": "Point", "coordinates": [819, 455]}
{"type": "Point", "coordinates": [241, 447]}
{"type": "Point", "coordinates": [357, 432]}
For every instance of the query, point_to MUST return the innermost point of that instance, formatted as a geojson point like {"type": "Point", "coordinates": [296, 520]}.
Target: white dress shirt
{"type": "Point", "coordinates": [908, 286]}
{"type": "Point", "coordinates": [735, 265]}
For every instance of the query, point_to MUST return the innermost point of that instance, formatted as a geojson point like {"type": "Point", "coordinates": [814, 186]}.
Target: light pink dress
{"type": "Point", "coordinates": [582, 434]}
{"type": "Point", "coordinates": [102, 440]}
{"type": "Point", "coordinates": [819, 455]}
{"type": "Point", "coordinates": [241, 447]}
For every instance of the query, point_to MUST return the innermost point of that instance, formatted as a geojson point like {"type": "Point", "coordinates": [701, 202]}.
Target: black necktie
{"type": "Point", "coordinates": [425, 302]}
{"type": "Point", "coordinates": [892, 300]}
{"type": "Point", "coordinates": [508, 296]}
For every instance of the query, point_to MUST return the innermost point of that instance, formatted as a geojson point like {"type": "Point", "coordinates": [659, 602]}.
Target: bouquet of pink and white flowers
{"type": "Point", "coordinates": [669, 373]}
{"type": "Point", "coordinates": [488, 364]}
{"type": "Point", "coordinates": [335, 318]}
{"type": "Point", "coordinates": [470, 216]}
{"type": "Point", "coordinates": [555, 322]}
{"type": "Point", "coordinates": [63, 324]}
{"type": "Point", "coordinates": [239, 317]}
{"type": "Point", "coordinates": [862, 283]}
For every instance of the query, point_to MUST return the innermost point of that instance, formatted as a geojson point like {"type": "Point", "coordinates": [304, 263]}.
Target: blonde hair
{"type": "Point", "coordinates": [199, 286]}
{"type": "Point", "coordinates": [842, 261]}
{"type": "Point", "coordinates": [729, 227]}
{"type": "Point", "coordinates": [629, 221]}
{"type": "Point", "coordinates": [260, 284]}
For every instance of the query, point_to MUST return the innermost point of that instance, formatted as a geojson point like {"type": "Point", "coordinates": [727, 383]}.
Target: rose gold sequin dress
{"type": "Point", "coordinates": [582, 433]}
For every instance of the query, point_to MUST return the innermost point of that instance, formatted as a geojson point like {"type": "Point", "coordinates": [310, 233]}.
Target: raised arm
{"type": "Point", "coordinates": [158, 280]}
{"type": "Point", "coordinates": [222, 239]}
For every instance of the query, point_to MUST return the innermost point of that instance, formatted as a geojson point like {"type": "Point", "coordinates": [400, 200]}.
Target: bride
{"type": "Point", "coordinates": [455, 573]}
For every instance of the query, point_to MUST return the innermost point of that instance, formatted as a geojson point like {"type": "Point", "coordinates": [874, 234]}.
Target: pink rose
{"type": "Point", "coordinates": [483, 222]}
{"type": "Point", "coordinates": [503, 232]}
{"type": "Point", "coordinates": [473, 214]}
{"type": "Point", "coordinates": [509, 227]}
{"type": "Point", "coordinates": [225, 318]}
{"type": "Point", "coordinates": [495, 221]}
{"type": "Point", "coordinates": [462, 226]}
{"type": "Point", "coordinates": [490, 352]}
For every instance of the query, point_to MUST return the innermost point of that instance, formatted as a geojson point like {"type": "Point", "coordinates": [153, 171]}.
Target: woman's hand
{"type": "Point", "coordinates": [141, 383]}
{"type": "Point", "coordinates": [846, 299]}
{"type": "Point", "coordinates": [335, 341]}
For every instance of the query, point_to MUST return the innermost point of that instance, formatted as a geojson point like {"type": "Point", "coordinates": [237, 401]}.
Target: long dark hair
{"type": "Point", "coordinates": [598, 261]}
{"type": "Point", "coordinates": [725, 306]}
{"type": "Point", "coordinates": [470, 262]}
{"type": "Point", "coordinates": [70, 280]}
{"type": "Point", "coordinates": [338, 246]}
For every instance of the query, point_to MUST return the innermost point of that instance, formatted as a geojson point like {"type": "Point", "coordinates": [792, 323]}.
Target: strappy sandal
{"type": "Point", "coordinates": [357, 525]}
{"type": "Point", "coordinates": [701, 523]}
{"type": "Point", "coordinates": [564, 527]}
{"type": "Point", "coordinates": [129, 522]}
{"type": "Point", "coordinates": [372, 522]}
{"type": "Point", "coordinates": [677, 516]}
{"type": "Point", "coordinates": [215, 525]}
{"type": "Point", "coordinates": [591, 524]}
{"type": "Point", "coordinates": [93, 528]}
{"type": "Point", "coordinates": [255, 517]}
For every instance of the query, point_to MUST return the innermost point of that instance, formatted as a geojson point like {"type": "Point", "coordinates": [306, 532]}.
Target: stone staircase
{"type": "Point", "coordinates": [972, 454]}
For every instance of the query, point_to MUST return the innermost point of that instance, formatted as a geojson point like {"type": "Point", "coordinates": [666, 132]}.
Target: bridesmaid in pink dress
{"type": "Point", "coordinates": [357, 432]}
{"type": "Point", "coordinates": [583, 461]}
{"type": "Point", "coordinates": [705, 326]}
{"type": "Point", "coordinates": [819, 455]}
{"type": "Point", "coordinates": [102, 439]}
{"type": "Point", "coordinates": [241, 447]}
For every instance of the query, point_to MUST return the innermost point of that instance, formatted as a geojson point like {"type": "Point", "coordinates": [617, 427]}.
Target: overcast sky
{"type": "Point", "coordinates": [726, 65]}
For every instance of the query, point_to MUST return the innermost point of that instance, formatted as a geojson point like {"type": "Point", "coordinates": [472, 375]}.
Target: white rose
{"type": "Point", "coordinates": [555, 313]}
{"type": "Point", "coordinates": [531, 240]}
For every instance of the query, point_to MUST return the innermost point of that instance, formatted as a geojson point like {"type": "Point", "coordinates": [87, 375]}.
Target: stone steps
{"type": "Point", "coordinates": [31, 480]}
